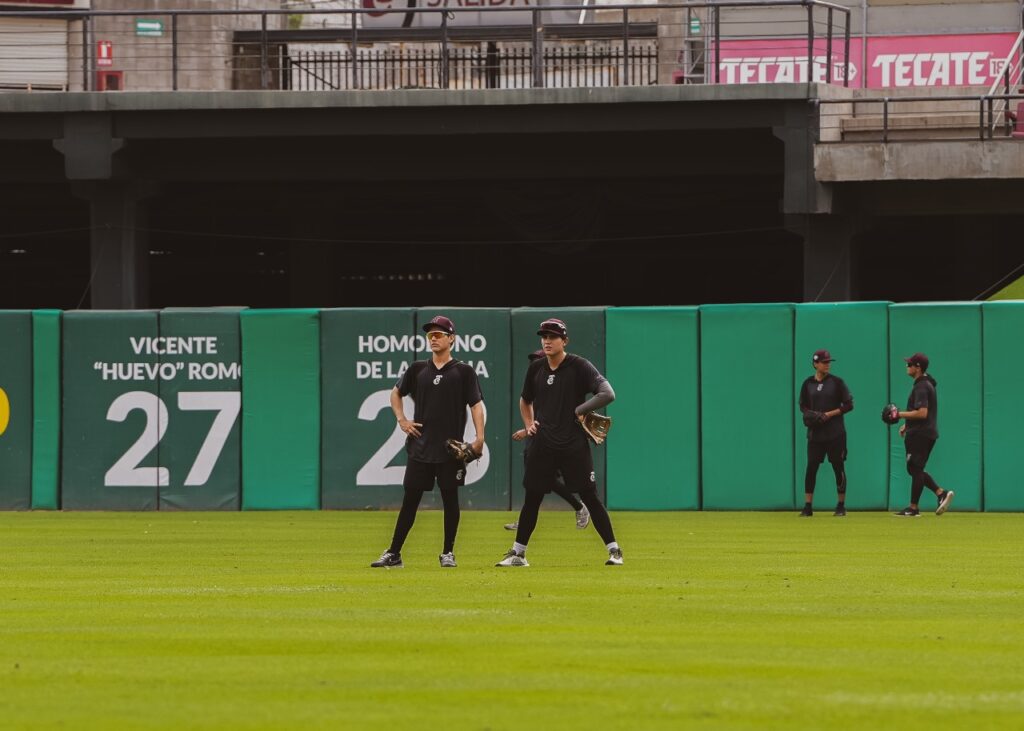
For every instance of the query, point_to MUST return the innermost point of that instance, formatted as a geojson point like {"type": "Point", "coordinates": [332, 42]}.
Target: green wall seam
{"type": "Point", "coordinates": [280, 409]}
{"type": "Point", "coordinates": [46, 409]}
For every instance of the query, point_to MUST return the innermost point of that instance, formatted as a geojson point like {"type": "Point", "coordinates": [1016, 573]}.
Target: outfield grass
{"type": "Point", "coordinates": [717, 621]}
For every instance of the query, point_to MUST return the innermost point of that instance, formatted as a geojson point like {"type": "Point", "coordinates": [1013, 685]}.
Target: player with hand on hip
{"type": "Point", "coordinates": [441, 388]}
{"type": "Point", "coordinates": [920, 431]}
{"type": "Point", "coordinates": [824, 399]}
{"type": "Point", "coordinates": [582, 514]}
{"type": "Point", "coordinates": [553, 404]}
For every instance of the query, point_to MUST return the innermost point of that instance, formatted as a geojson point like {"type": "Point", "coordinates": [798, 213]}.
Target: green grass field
{"type": "Point", "coordinates": [717, 620]}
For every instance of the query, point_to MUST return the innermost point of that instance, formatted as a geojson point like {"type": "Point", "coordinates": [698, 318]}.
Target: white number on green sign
{"type": "Point", "coordinates": [126, 471]}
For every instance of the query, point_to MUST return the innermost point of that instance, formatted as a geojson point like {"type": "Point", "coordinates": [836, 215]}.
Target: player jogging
{"type": "Point", "coordinates": [920, 432]}
{"type": "Point", "coordinates": [582, 514]}
{"type": "Point", "coordinates": [553, 404]}
{"type": "Point", "coordinates": [824, 399]}
{"type": "Point", "coordinates": [441, 388]}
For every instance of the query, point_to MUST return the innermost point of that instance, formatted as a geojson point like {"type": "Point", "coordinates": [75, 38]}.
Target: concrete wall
{"type": "Point", "coordinates": [205, 50]}
{"type": "Point", "coordinates": [884, 17]}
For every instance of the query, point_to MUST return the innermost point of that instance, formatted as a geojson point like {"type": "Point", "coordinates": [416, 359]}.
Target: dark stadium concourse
{"type": "Point", "coordinates": [643, 196]}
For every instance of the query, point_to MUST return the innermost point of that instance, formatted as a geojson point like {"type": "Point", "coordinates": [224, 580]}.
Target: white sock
{"type": "Point", "coordinates": [519, 548]}
{"type": "Point", "coordinates": [612, 546]}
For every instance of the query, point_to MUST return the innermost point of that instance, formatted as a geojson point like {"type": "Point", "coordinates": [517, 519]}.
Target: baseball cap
{"type": "Point", "coordinates": [554, 327]}
{"type": "Point", "coordinates": [918, 359]}
{"type": "Point", "coordinates": [535, 355]}
{"type": "Point", "coordinates": [440, 322]}
{"type": "Point", "coordinates": [822, 356]}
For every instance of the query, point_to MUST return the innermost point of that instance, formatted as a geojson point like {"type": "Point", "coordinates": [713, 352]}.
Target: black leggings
{"type": "Point", "coordinates": [531, 510]}
{"type": "Point", "coordinates": [919, 448]}
{"type": "Point", "coordinates": [811, 476]}
{"type": "Point", "coordinates": [407, 516]}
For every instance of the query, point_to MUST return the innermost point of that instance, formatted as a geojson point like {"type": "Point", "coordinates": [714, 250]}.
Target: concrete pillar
{"type": "Point", "coordinates": [119, 246]}
{"type": "Point", "coordinates": [828, 254]}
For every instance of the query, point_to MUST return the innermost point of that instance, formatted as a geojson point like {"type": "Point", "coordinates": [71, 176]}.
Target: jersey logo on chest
{"type": "Point", "coordinates": [551, 379]}
{"type": "Point", "coordinates": [820, 385]}
{"type": "Point", "coordinates": [437, 379]}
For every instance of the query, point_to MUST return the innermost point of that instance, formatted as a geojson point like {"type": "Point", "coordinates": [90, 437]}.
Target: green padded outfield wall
{"type": "Point", "coordinates": [857, 335]}
{"type": "Point", "coordinates": [201, 447]}
{"type": "Point", "coordinates": [950, 335]}
{"type": "Point", "coordinates": [586, 327]}
{"type": "Point", "coordinates": [653, 365]}
{"type": "Point", "coordinates": [364, 352]}
{"type": "Point", "coordinates": [747, 394]}
{"type": "Point", "coordinates": [280, 409]}
{"type": "Point", "coordinates": [483, 339]}
{"type": "Point", "coordinates": [15, 410]}
{"type": "Point", "coordinates": [46, 411]}
{"type": "Point", "coordinates": [112, 415]}
{"type": "Point", "coordinates": [1003, 405]}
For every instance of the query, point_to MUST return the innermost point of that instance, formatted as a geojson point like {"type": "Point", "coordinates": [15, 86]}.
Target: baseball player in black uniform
{"type": "Point", "coordinates": [582, 514]}
{"type": "Point", "coordinates": [920, 432]}
{"type": "Point", "coordinates": [441, 387]}
{"type": "Point", "coordinates": [824, 399]}
{"type": "Point", "coordinates": [552, 404]}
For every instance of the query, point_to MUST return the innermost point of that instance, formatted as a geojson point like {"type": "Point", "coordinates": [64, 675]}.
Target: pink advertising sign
{"type": "Point", "coordinates": [967, 60]}
{"type": "Point", "coordinates": [892, 61]}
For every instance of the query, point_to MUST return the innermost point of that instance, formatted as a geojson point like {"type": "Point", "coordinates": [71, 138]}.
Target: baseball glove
{"type": "Point", "coordinates": [890, 414]}
{"type": "Point", "coordinates": [596, 426]}
{"type": "Point", "coordinates": [462, 451]}
{"type": "Point", "coordinates": [813, 418]}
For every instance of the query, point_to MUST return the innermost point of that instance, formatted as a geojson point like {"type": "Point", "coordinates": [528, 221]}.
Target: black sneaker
{"type": "Point", "coordinates": [908, 513]}
{"type": "Point", "coordinates": [840, 511]}
{"type": "Point", "coordinates": [806, 512]}
{"type": "Point", "coordinates": [388, 560]}
{"type": "Point", "coordinates": [944, 502]}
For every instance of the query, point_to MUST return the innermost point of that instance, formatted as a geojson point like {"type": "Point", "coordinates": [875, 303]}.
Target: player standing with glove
{"type": "Point", "coordinates": [920, 432]}
{"type": "Point", "coordinates": [441, 387]}
{"type": "Point", "coordinates": [582, 514]}
{"type": "Point", "coordinates": [553, 406]}
{"type": "Point", "coordinates": [824, 399]}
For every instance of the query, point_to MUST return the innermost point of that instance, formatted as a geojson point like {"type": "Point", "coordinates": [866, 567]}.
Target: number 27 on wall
{"type": "Point", "coordinates": [126, 471]}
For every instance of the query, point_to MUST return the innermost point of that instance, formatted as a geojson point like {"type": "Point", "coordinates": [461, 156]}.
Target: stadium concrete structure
{"type": "Point", "coordinates": [662, 194]}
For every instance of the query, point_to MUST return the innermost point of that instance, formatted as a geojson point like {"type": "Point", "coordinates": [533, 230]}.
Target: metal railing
{"type": "Point", "coordinates": [1008, 80]}
{"type": "Point", "coordinates": [256, 49]}
{"type": "Point", "coordinates": [468, 68]}
{"type": "Point", "coordinates": [887, 119]}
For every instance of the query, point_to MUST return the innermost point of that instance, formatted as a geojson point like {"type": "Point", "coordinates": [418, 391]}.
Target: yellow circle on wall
{"type": "Point", "coordinates": [5, 411]}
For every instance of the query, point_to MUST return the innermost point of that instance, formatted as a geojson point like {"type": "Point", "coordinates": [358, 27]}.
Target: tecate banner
{"type": "Point", "coordinates": [892, 61]}
{"type": "Point", "coordinates": [399, 13]}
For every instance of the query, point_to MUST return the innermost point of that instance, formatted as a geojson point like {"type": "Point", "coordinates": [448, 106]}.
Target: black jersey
{"type": "Point", "coordinates": [441, 396]}
{"type": "Point", "coordinates": [924, 395]}
{"type": "Point", "coordinates": [555, 394]}
{"type": "Point", "coordinates": [827, 395]}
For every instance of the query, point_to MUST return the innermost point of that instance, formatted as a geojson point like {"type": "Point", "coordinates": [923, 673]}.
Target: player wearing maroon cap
{"type": "Point", "coordinates": [920, 432]}
{"type": "Point", "coordinates": [552, 405]}
{"type": "Point", "coordinates": [441, 388]}
{"type": "Point", "coordinates": [824, 399]}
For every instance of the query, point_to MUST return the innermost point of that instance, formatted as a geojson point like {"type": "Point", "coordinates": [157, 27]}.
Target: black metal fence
{"type": "Point", "coordinates": [484, 67]}
{"type": "Point", "coordinates": [635, 44]}
{"type": "Point", "coordinates": [888, 119]}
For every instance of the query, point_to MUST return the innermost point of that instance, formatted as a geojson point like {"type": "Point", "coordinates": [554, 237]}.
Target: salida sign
{"type": "Point", "coordinates": [894, 61]}
{"type": "Point", "coordinates": [399, 13]}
